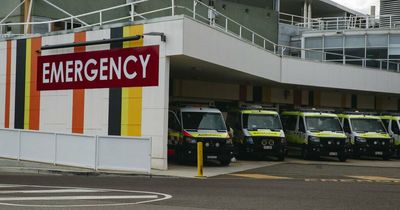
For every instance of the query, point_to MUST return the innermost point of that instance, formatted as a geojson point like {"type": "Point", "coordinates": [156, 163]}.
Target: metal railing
{"type": "Point", "coordinates": [205, 14]}
{"type": "Point", "coordinates": [342, 22]}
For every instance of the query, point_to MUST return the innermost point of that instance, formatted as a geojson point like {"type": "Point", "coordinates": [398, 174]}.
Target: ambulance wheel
{"type": "Point", "coordinates": [180, 158]}
{"type": "Point", "coordinates": [281, 156]}
{"type": "Point", "coordinates": [305, 153]}
{"type": "Point", "coordinates": [385, 156]}
{"type": "Point", "coordinates": [225, 161]}
{"type": "Point", "coordinates": [342, 157]}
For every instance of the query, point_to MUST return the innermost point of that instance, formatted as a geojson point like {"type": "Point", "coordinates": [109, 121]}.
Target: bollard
{"type": "Point", "coordinates": [199, 159]}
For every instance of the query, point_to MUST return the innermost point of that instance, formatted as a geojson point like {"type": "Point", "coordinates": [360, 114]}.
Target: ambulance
{"type": "Point", "coordinates": [391, 121]}
{"type": "Point", "coordinates": [257, 131]}
{"type": "Point", "coordinates": [189, 125]}
{"type": "Point", "coordinates": [315, 133]}
{"type": "Point", "coordinates": [368, 135]}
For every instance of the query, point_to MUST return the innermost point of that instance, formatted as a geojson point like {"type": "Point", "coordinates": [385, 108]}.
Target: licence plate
{"type": "Point", "coordinates": [267, 147]}
{"type": "Point", "coordinates": [212, 157]}
{"type": "Point", "coordinates": [333, 154]}
{"type": "Point", "coordinates": [378, 153]}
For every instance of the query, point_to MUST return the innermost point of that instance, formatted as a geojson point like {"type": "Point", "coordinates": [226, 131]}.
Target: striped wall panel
{"type": "Point", "coordinates": [3, 81]}
{"type": "Point", "coordinates": [75, 111]}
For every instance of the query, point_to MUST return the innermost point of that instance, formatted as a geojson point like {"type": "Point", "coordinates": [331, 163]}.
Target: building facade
{"type": "Point", "coordinates": [224, 51]}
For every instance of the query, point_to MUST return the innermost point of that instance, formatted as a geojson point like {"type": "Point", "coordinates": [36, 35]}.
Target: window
{"type": "Point", "coordinates": [173, 122]}
{"type": "Point", "coordinates": [289, 122]}
{"type": "Point", "coordinates": [395, 127]}
{"type": "Point", "coordinates": [302, 128]}
{"type": "Point", "coordinates": [346, 126]}
{"type": "Point", "coordinates": [377, 40]}
{"type": "Point", "coordinates": [333, 42]}
{"type": "Point", "coordinates": [386, 123]}
{"type": "Point", "coordinates": [355, 42]}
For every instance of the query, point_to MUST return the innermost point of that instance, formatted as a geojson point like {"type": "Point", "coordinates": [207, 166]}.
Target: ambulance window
{"type": "Point", "coordinates": [346, 126]}
{"type": "Point", "coordinates": [386, 123]}
{"type": "Point", "coordinates": [395, 127]}
{"type": "Point", "coordinates": [173, 122]}
{"type": "Point", "coordinates": [289, 122]}
{"type": "Point", "coordinates": [302, 128]}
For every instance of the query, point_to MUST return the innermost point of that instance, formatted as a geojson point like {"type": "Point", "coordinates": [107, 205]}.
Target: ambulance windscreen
{"type": "Point", "coordinates": [318, 124]}
{"type": "Point", "coordinates": [203, 121]}
{"type": "Point", "coordinates": [367, 125]}
{"type": "Point", "coordinates": [261, 121]}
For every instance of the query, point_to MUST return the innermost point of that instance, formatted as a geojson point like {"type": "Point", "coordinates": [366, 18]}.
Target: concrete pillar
{"type": "Point", "coordinates": [305, 13]}
{"type": "Point", "coordinates": [277, 5]}
{"type": "Point", "coordinates": [309, 13]}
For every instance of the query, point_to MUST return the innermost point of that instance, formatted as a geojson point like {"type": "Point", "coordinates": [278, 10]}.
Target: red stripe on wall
{"type": "Point", "coordinates": [78, 100]}
{"type": "Point", "coordinates": [8, 86]}
{"type": "Point", "coordinates": [34, 117]}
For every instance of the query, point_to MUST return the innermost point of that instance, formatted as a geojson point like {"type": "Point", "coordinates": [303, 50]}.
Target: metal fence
{"type": "Point", "coordinates": [92, 152]}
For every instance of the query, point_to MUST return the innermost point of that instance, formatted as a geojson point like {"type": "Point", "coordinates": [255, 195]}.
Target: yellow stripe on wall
{"type": "Point", "coordinates": [27, 84]}
{"type": "Point", "coordinates": [131, 119]}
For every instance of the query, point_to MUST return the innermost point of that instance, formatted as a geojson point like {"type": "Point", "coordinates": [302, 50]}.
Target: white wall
{"type": "Point", "coordinates": [156, 99]}
{"type": "Point", "coordinates": [96, 100]}
{"type": "Point", "coordinates": [207, 44]}
{"type": "Point", "coordinates": [300, 72]}
{"type": "Point", "coordinates": [56, 106]}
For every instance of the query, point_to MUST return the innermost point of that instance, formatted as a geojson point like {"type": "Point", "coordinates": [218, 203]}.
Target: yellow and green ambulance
{"type": "Point", "coordinates": [315, 133]}
{"type": "Point", "coordinates": [391, 122]}
{"type": "Point", "coordinates": [189, 125]}
{"type": "Point", "coordinates": [367, 134]}
{"type": "Point", "coordinates": [257, 131]}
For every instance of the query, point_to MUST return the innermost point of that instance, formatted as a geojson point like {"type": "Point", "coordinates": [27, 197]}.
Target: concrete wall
{"type": "Point", "coordinates": [295, 71]}
{"type": "Point", "coordinates": [225, 50]}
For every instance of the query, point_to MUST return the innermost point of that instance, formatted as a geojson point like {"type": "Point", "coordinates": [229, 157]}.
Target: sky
{"type": "Point", "coordinates": [360, 5]}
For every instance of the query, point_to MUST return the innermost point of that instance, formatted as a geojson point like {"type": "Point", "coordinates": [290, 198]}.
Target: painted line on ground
{"type": "Point", "coordinates": [142, 197]}
{"type": "Point", "coordinates": [60, 198]}
{"type": "Point", "coordinates": [51, 191]}
{"type": "Point", "coordinates": [261, 176]}
{"type": "Point", "coordinates": [375, 178]}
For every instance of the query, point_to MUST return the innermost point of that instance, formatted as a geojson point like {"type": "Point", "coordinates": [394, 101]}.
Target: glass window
{"type": "Point", "coordinates": [333, 42]}
{"type": "Point", "coordinates": [386, 123]}
{"type": "Point", "coordinates": [173, 122]}
{"type": "Point", "coordinates": [323, 124]}
{"type": "Point", "coordinates": [289, 122]}
{"type": "Point", "coordinates": [313, 42]}
{"type": "Point", "coordinates": [261, 121]}
{"type": "Point", "coordinates": [355, 41]}
{"type": "Point", "coordinates": [314, 55]}
{"type": "Point", "coordinates": [395, 127]}
{"type": "Point", "coordinates": [302, 128]}
{"type": "Point", "coordinates": [367, 125]}
{"type": "Point", "coordinates": [346, 126]}
{"type": "Point", "coordinates": [394, 39]}
{"type": "Point", "coordinates": [377, 40]}
{"type": "Point", "coordinates": [203, 121]}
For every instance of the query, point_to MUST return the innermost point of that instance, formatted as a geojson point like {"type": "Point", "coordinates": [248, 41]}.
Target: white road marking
{"type": "Point", "coordinates": [51, 191]}
{"type": "Point", "coordinates": [10, 185]}
{"type": "Point", "coordinates": [59, 198]}
{"type": "Point", "coordinates": [141, 197]}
